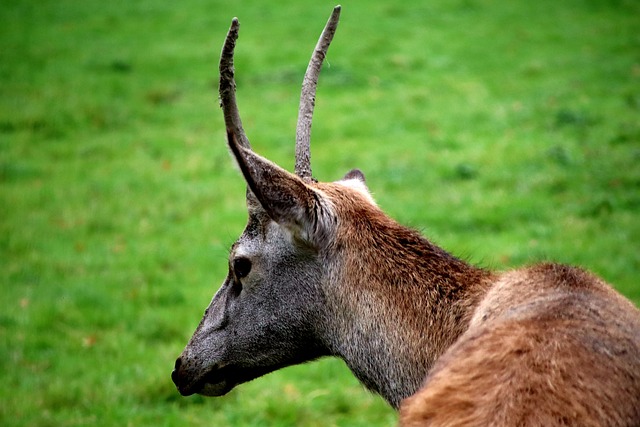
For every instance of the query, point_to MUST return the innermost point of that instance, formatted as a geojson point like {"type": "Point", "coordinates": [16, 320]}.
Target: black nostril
{"type": "Point", "coordinates": [175, 376]}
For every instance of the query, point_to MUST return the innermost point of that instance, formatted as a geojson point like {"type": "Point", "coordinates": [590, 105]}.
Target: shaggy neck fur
{"type": "Point", "coordinates": [400, 301]}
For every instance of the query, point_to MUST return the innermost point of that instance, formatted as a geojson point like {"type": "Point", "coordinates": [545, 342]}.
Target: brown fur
{"type": "Point", "coordinates": [545, 345]}
{"type": "Point", "coordinates": [548, 345]}
{"type": "Point", "coordinates": [397, 288]}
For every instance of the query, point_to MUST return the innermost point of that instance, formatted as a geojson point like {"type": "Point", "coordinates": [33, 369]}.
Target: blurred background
{"type": "Point", "coordinates": [508, 132]}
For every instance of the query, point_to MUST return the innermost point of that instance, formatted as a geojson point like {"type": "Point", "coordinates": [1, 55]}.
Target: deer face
{"type": "Point", "coordinates": [265, 316]}
{"type": "Point", "coordinates": [269, 312]}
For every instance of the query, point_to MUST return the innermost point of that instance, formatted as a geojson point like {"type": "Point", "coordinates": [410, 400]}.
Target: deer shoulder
{"type": "Point", "coordinates": [548, 345]}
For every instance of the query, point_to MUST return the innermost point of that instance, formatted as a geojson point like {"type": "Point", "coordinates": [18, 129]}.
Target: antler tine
{"type": "Point", "coordinates": [227, 87]}
{"type": "Point", "coordinates": [308, 97]}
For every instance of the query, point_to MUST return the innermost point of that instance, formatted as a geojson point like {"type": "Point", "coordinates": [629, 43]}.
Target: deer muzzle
{"type": "Point", "coordinates": [213, 382]}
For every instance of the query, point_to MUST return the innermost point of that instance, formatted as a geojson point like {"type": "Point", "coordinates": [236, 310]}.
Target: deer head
{"type": "Point", "coordinates": [269, 312]}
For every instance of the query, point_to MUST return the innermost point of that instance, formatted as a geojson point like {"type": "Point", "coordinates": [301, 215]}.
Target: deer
{"type": "Point", "coordinates": [320, 270]}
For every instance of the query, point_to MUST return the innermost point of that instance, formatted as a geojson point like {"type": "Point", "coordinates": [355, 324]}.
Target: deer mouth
{"type": "Point", "coordinates": [217, 381]}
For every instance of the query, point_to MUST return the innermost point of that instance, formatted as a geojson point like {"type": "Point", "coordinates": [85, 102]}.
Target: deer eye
{"type": "Point", "coordinates": [241, 267]}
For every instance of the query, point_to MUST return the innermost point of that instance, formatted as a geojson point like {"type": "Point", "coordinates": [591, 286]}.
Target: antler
{"type": "Point", "coordinates": [308, 97]}
{"type": "Point", "coordinates": [227, 87]}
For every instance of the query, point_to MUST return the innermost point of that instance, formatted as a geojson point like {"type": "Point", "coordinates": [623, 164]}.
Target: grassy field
{"type": "Point", "coordinates": [508, 131]}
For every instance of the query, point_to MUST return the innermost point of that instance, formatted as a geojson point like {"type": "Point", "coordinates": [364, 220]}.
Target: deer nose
{"type": "Point", "coordinates": [175, 377]}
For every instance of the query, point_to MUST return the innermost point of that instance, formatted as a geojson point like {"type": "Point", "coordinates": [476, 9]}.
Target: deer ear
{"type": "Point", "coordinates": [284, 196]}
{"type": "Point", "coordinates": [355, 174]}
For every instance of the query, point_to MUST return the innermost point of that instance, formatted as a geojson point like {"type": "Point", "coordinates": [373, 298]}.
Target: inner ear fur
{"type": "Point", "coordinates": [286, 198]}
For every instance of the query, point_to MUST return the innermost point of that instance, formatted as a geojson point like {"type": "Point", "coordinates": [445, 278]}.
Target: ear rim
{"type": "Point", "coordinates": [354, 174]}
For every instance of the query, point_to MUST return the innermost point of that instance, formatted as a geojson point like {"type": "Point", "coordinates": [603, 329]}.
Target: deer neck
{"type": "Point", "coordinates": [400, 302]}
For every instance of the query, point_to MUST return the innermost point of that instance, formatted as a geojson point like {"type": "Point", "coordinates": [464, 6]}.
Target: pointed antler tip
{"type": "Point", "coordinates": [307, 97]}
{"type": "Point", "coordinates": [235, 25]}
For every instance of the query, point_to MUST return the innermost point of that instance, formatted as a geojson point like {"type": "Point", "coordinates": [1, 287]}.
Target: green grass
{"type": "Point", "coordinates": [508, 131]}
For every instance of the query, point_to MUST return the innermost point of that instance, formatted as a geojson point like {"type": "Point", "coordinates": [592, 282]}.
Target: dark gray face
{"type": "Point", "coordinates": [267, 314]}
